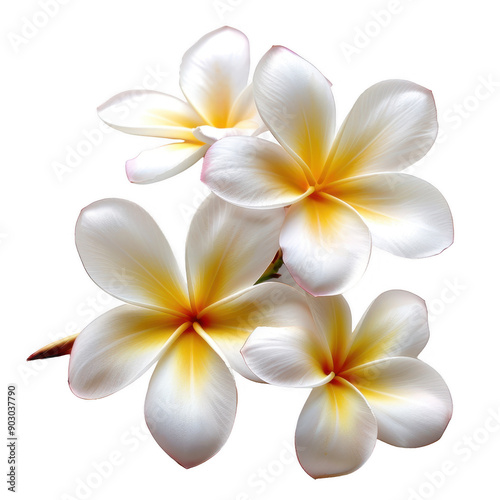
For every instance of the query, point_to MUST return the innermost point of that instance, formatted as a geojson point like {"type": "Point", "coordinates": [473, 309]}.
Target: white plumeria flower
{"type": "Point", "coordinates": [366, 385]}
{"type": "Point", "coordinates": [183, 326]}
{"type": "Point", "coordinates": [343, 190]}
{"type": "Point", "coordinates": [213, 78]}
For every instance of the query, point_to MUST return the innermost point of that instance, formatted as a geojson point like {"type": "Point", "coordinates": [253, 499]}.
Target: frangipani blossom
{"type": "Point", "coordinates": [183, 326]}
{"type": "Point", "coordinates": [213, 78]}
{"type": "Point", "coordinates": [343, 191]}
{"type": "Point", "coordinates": [366, 385]}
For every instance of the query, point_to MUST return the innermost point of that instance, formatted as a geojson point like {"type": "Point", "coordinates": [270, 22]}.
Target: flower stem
{"type": "Point", "coordinates": [60, 347]}
{"type": "Point", "coordinates": [273, 268]}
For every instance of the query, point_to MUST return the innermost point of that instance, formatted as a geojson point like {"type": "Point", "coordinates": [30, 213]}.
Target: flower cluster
{"type": "Point", "coordinates": [304, 196]}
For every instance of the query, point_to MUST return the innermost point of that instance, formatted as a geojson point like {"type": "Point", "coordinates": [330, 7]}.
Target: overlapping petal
{"type": "Point", "coordinates": [244, 109]}
{"type": "Point", "coordinates": [254, 173]}
{"type": "Point", "coordinates": [407, 216]}
{"type": "Point", "coordinates": [289, 356]}
{"type": "Point", "coordinates": [228, 248]}
{"type": "Point", "coordinates": [391, 126]}
{"type": "Point", "coordinates": [210, 135]}
{"type": "Point", "coordinates": [191, 401]}
{"type": "Point", "coordinates": [117, 348]}
{"type": "Point", "coordinates": [126, 254]}
{"type": "Point", "coordinates": [166, 161]}
{"type": "Point", "coordinates": [151, 113]}
{"type": "Point", "coordinates": [214, 72]}
{"type": "Point", "coordinates": [326, 245]}
{"type": "Point", "coordinates": [296, 103]}
{"type": "Point", "coordinates": [395, 324]}
{"type": "Point", "coordinates": [333, 319]}
{"type": "Point", "coordinates": [230, 321]}
{"type": "Point", "coordinates": [410, 400]}
{"type": "Point", "coordinates": [336, 431]}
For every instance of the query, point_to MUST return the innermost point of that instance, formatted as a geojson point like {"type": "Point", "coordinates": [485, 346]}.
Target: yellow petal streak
{"type": "Point", "coordinates": [336, 431]}
{"type": "Point", "coordinates": [172, 117]}
{"type": "Point", "coordinates": [193, 358]}
{"type": "Point", "coordinates": [364, 349]}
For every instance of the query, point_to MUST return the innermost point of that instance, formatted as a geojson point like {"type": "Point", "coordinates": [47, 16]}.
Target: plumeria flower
{"type": "Point", "coordinates": [213, 79]}
{"type": "Point", "coordinates": [343, 191]}
{"type": "Point", "coordinates": [190, 329]}
{"type": "Point", "coordinates": [366, 385]}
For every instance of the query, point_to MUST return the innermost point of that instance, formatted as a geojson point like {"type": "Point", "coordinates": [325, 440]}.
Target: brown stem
{"type": "Point", "coordinates": [60, 347]}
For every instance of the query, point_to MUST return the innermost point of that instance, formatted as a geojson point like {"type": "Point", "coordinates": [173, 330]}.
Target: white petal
{"type": "Point", "coordinates": [244, 108]}
{"type": "Point", "coordinates": [127, 255]}
{"type": "Point", "coordinates": [289, 356]}
{"type": "Point", "coordinates": [407, 216]}
{"type": "Point", "coordinates": [391, 126]}
{"type": "Point", "coordinates": [333, 319]}
{"type": "Point", "coordinates": [151, 113]}
{"type": "Point", "coordinates": [191, 401]}
{"type": "Point", "coordinates": [395, 324]}
{"type": "Point", "coordinates": [228, 248]}
{"type": "Point", "coordinates": [210, 135]}
{"type": "Point", "coordinates": [253, 172]}
{"type": "Point", "coordinates": [409, 398]}
{"type": "Point", "coordinates": [326, 245]}
{"type": "Point", "coordinates": [285, 277]}
{"type": "Point", "coordinates": [230, 321]}
{"type": "Point", "coordinates": [296, 103]}
{"type": "Point", "coordinates": [116, 349]}
{"type": "Point", "coordinates": [166, 161]}
{"type": "Point", "coordinates": [214, 72]}
{"type": "Point", "coordinates": [336, 431]}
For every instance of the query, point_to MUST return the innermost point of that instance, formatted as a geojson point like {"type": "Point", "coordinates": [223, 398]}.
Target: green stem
{"type": "Point", "coordinates": [273, 268]}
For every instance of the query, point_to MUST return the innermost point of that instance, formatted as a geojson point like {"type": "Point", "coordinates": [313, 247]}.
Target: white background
{"type": "Point", "coordinates": [87, 51]}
